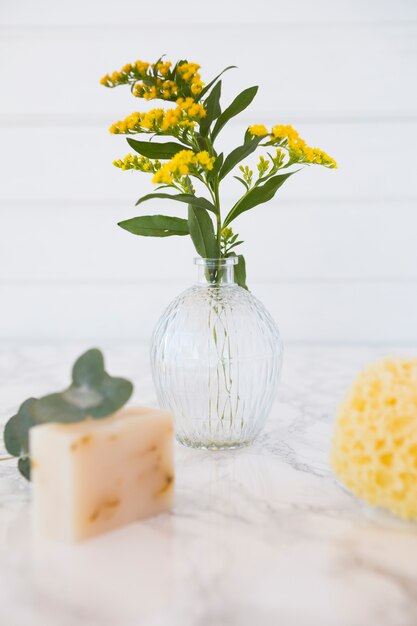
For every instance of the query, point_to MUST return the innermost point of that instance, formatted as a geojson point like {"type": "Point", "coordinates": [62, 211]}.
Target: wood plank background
{"type": "Point", "coordinates": [334, 256]}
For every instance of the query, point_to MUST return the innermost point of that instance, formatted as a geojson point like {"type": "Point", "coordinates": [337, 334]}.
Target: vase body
{"type": "Point", "coordinates": [216, 358]}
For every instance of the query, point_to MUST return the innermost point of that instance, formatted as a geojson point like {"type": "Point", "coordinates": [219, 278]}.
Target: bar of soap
{"type": "Point", "coordinates": [93, 476]}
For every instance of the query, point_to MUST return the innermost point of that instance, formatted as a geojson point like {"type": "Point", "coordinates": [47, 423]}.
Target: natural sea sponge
{"type": "Point", "coordinates": [374, 449]}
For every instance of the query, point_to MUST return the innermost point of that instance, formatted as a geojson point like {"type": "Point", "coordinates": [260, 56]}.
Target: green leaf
{"type": "Point", "coordinates": [212, 106]}
{"type": "Point", "coordinates": [67, 406]}
{"type": "Point", "coordinates": [211, 83]}
{"type": "Point", "coordinates": [114, 392]}
{"type": "Point", "coordinates": [16, 439]}
{"type": "Point", "coordinates": [217, 165]}
{"type": "Point", "coordinates": [187, 198]}
{"type": "Point", "coordinates": [239, 104]}
{"type": "Point", "coordinates": [23, 465]}
{"type": "Point", "coordinates": [154, 150]}
{"type": "Point", "coordinates": [89, 368]}
{"type": "Point", "coordinates": [237, 155]}
{"type": "Point", "coordinates": [202, 232]}
{"type": "Point", "coordinates": [240, 270]}
{"type": "Point", "coordinates": [242, 181]}
{"type": "Point", "coordinates": [257, 195]}
{"type": "Point", "coordinates": [156, 226]}
{"type": "Point", "coordinates": [93, 393]}
{"type": "Point", "coordinates": [248, 136]}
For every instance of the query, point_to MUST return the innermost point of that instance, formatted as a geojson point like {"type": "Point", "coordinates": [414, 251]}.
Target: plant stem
{"type": "Point", "coordinates": [218, 228]}
{"type": "Point", "coordinates": [6, 458]}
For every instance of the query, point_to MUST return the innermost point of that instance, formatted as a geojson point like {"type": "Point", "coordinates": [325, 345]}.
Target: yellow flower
{"type": "Point", "coordinates": [204, 159]}
{"type": "Point", "coordinates": [227, 232]}
{"type": "Point", "coordinates": [183, 163]}
{"type": "Point", "coordinates": [258, 130]}
{"type": "Point", "coordinates": [284, 132]}
{"type": "Point", "coordinates": [188, 71]}
{"type": "Point", "coordinates": [133, 121]}
{"type": "Point", "coordinates": [163, 89]}
{"type": "Point", "coordinates": [150, 93]}
{"type": "Point", "coordinates": [180, 163]}
{"type": "Point", "coordinates": [136, 162]}
{"type": "Point", "coordinates": [127, 73]}
{"type": "Point", "coordinates": [162, 176]}
{"type": "Point", "coordinates": [299, 151]}
{"type": "Point", "coordinates": [158, 80]}
{"type": "Point", "coordinates": [279, 158]}
{"type": "Point", "coordinates": [192, 108]}
{"type": "Point", "coordinates": [141, 67]}
{"type": "Point", "coordinates": [153, 119]}
{"type": "Point", "coordinates": [197, 87]}
{"type": "Point", "coordinates": [171, 121]}
{"type": "Point", "coordinates": [163, 68]}
{"type": "Point", "coordinates": [263, 166]}
{"type": "Point", "coordinates": [322, 158]}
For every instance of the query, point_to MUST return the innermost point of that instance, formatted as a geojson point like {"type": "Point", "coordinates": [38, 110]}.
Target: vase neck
{"type": "Point", "coordinates": [216, 272]}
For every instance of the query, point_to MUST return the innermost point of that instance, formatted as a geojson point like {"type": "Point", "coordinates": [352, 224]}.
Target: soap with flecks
{"type": "Point", "coordinates": [93, 476]}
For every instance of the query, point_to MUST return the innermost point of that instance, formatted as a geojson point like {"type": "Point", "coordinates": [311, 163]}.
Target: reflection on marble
{"type": "Point", "coordinates": [260, 536]}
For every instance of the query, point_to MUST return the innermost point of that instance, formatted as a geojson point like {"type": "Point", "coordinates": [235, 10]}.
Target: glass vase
{"type": "Point", "coordinates": [216, 359]}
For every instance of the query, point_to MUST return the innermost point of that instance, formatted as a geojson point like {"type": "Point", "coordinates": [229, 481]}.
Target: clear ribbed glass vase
{"type": "Point", "coordinates": [216, 358]}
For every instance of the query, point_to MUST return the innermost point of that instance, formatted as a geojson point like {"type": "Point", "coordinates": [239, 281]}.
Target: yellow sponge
{"type": "Point", "coordinates": [374, 450]}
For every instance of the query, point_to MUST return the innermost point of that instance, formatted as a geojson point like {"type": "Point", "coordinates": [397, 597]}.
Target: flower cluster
{"type": "Point", "coordinates": [184, 163]}
{"type": "Point", "coordinates": [141, 163]}
{"type": "Point", "coordinates": [270, 167]}
{"type": "Point", "coordinates": [188, 73]}
{"type": "Point", "coordinates": [158, 80]}
{"type": "Point", "coordinates": [131, 72]}
{"type": "Point", "coordinates": [161, 121]}
{"type": "Point", "coordinates": [299, 152]}
{"type": "Point", "coordinates": [162, 89]}
{"type": "Point", "coordinates": [263, 166]}
{"type": "Point", "coordinates": [258, 130]}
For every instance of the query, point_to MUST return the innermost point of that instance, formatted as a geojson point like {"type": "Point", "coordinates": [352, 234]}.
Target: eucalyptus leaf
{"type": "Point", "coordinates": [257, 195]}
{"type": "Point", "coordinates": [48, 408]}
{"type": "Point", "coordinates": [237, 155]}
{"type": "Point", "coordinates": [23, 465]}
{"type": "Point", "coordinates": [154, 150]}
{"type": "Point", "coordinates": [115, 392]}
{"type": "Point", "coordinates": [93, 393]}
{"type": "Point", "coordinates": [239, 104]}
{"type": "Point", "coordinates": [202, 232]}
{"type": "Point", "coordinates": [89, 368]}
{"type": "Point", "coordinates": [16, 430]}
{"type": "Point", "coordinates": [187, 198]}
{"type": "Point", "coordinates": [156, 226]}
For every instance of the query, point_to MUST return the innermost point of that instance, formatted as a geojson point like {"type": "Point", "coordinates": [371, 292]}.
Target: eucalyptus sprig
{"type": "Point", "coordinates": [93, 393]}
{"type": "Point", "coordinates": [195, 124]}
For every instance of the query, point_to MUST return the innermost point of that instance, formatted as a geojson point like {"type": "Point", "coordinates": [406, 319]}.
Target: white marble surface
{"type": "Point", "coordinates": [261, 536]}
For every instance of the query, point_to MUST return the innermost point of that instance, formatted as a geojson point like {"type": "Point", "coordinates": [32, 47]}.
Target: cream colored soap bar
{"type": "Point", "coordinates": [93, 476]}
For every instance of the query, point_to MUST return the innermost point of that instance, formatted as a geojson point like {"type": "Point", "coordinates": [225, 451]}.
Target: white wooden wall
{"type": "Point", "coordinates": [334, 256]}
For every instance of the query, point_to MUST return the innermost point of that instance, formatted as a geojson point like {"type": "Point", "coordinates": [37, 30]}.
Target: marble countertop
{"type": "Point", "coordinates": [262, 536]}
